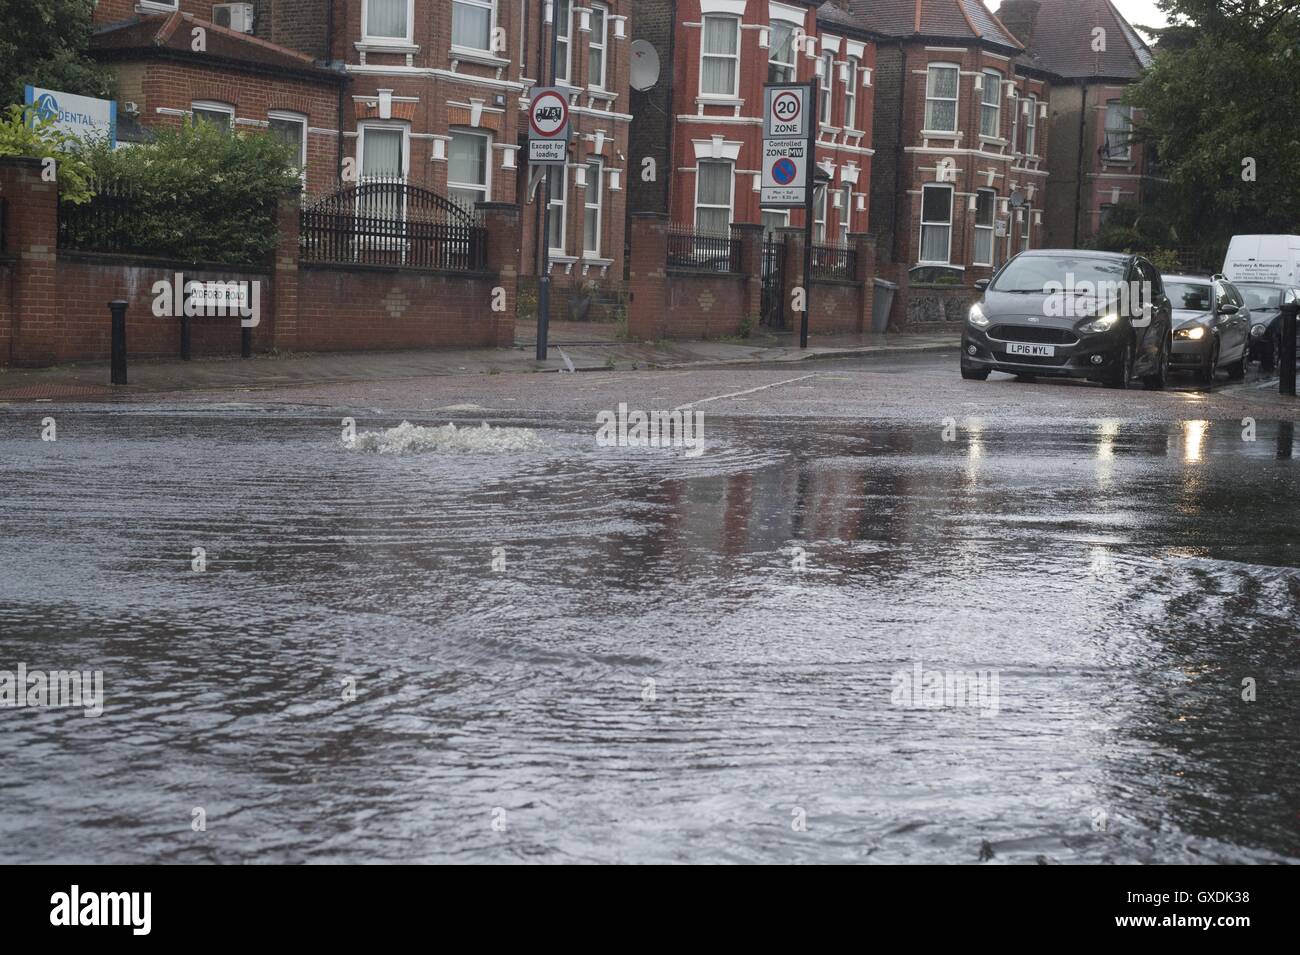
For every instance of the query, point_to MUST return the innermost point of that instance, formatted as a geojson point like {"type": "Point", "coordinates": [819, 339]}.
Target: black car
{"type": "Point", "coordinates": [1265, 302]}
{"type": "Point", "coordinates": [1069, 313]}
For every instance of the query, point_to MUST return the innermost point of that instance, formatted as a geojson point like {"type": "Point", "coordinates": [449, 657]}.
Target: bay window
{"type": "Point", "coordinates": [936, 224]}
{"type": "Point", "coordinates": [558, 178]}
{"type": "Point", "coordinates": [851, 95]}
{"type": "Point", "coordinates": [714, 181]}
{"type": "Point", "coordinates": [1119, 128]}
{"type": "Point", "coordinates": [941, 98]}
{"type": "Point", "coordinates": [780, 57]}
{"type": "Point", "coordinates": [827, 90]}
{"type": "Point", "coordinates": [471, 24]}
{"type": "Point", "coordinates": [591, 221]}
{"type": "Point", "coordinates": [720, 57]}
{"type": "Point", "coordinates": [991, 104]}
{"type": "Point", "coordinates": [469, 168]}
{"type": "Point", "coordinates": [985, 204]}
{"type": "Point", "coordinates": [596, 48]}
{"type": "Point", "coordinates": [387, 20]}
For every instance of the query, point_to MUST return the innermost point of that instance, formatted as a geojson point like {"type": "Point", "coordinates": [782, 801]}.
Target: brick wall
{"type": "Point", "coordinates": [53, 304]}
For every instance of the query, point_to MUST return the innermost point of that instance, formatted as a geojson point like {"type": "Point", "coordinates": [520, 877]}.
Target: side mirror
{"type": "Point", "coordinates": [981, 284]}
{"type": "Point", "coordinates": [1227, 308]}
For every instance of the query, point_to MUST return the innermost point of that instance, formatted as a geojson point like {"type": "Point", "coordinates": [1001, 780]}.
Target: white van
{"type": "Point", "coordinates": [1265, 259]}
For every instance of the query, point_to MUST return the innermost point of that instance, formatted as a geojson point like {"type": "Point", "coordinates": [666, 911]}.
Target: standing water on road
{"type": "Point", "coordinates": [546, 650]}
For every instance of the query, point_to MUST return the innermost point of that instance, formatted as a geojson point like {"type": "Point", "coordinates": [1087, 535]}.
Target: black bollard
{"type": "Point", "coordinates": [1286, 360]}
{"type": "Point", "coordinates": [185, 337]}
{"type": "Point", "coordinates": [245, 341]}
{"type": "Point", "coordinates": [118, 309]}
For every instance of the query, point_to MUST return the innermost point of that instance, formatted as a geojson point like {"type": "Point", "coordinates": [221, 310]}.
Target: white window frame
{"type": "Point", "coordinates": [601, 44]}
{"type": "Point", "coordinates": [851, 94]}
{"type": "Point", "coordinates": [947, 260]}
{"type": "Point", "coordinates": [955, 99]}
{"type": "Point", "coordinates": [846, 213]}
{"type": "Point", "coordinates": [368, 37]}
{"type": "Point", "coordinates": [731, 197]}
{"type": "Point", "coordinates": [734, 57]}
{"type": "Point", "coordinates": [214, 106]}
{"type": "Point", "coordinates": [487, 163]}
{"type": "Point", "coordinates": [791, 67]}
{"type": "Point", "coordinates": [1031, 126]}
{"type": "Point", "coordinates": [1127, 130]}
{"type": "Point", "coordinates": [992, 80]}
{"type": "Point", "coordinates": [821, 206]}
{"type": "Point", "coordinates": [565, 40]}
{"type": "Point", "coordinates": [595, 190]}
{"type": "Point", "coordinates": [157, 4]}
{"type": "Point", "coordinates": [991, 228]}
{"type": "Point", "coordinates": [560, 203]}
{"type": "Point", "coordinates": [1028, 213]}
{"type": "Point", "coordinates": [783, 213]}
{"type": "Point", "coordinates": [287, 116]}
{"type": "Point", "coordinates": [362, 128]}
{"type": "Point", "coordinates": [491, 7]}
{"type": "Point", "coordinates": [826, 84]}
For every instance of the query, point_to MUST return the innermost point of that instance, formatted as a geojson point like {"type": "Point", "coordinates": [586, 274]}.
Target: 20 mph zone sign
{"type": "Point", "coordinates": [548, 127]}
{"type": "Point", "coordinates": [785, 147]}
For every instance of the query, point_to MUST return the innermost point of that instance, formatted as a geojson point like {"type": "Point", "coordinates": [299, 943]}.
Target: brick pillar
{"type": "Point", "coordinates": [31, 239]}
{"type": "Point", "coordinates": [647, 277]}
{"type": "Point", "coordinates": [792, 275]}
{"type": "Point", "coordinates": [504, 237]}
{"type": "Point", "coordinates": [865, 244]}
{"type": "Point", "coordinates": [751, 263]}
{"type": "Point", "coordinates": [284, 313]}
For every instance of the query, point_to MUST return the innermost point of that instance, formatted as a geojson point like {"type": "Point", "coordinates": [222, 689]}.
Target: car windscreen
{"type": "Point", "coordinates": [1260, 296]}
{"type": "Point", "coordinates": [1036, 273]}
{"type": "Point", "coordinates": [1192, 296]}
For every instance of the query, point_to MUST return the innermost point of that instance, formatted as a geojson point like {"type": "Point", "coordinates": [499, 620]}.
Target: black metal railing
{"type": "Point", "coordinates": [107, 222]}
{"type": "Point", "coordinates": [391, 222]}
{"type": "Point", "coordinates": [703, 251]}
{"type": "Point", "coordinates": [835, 262]}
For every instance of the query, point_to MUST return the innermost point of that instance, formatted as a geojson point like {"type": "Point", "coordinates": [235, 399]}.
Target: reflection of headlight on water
{"type": "Point", "coordinates": [1194, 433]}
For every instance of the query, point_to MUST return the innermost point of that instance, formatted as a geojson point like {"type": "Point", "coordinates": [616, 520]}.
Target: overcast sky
{"type": "Point", "coordinates": [1141, 11]}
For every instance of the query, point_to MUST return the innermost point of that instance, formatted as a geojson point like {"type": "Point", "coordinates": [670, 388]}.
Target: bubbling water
{"type": "Point", "coordinates": [408, 438]}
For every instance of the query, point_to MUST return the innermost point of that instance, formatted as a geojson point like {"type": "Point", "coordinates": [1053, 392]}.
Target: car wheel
{"type": "Point", "coordinates": [1268, 354]}
{"type": "Point", "coordinates": [1205, 374]}
{"type": "Point", "coordinates": [1156, 380]}
{"type": "Point", "coordinates": [1120, 376]}
{"type": "Point", "coordinates": [974, 374]}
{"type": "Point", "coordinates": [1237, 370]}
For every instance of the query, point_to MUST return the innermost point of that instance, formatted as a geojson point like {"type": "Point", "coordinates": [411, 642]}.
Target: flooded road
{"type": "Point", "coordinates": [572, 653]}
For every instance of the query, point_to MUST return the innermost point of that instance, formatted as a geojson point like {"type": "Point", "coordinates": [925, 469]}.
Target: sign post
{"type": "Point", "coordinates": [788, 182]}
{"type": "Point", "coordinates": [548, 146]}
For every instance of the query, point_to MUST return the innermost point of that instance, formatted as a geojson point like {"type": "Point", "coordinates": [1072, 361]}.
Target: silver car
{"type": "Point", "coordinates": [1211, 326]}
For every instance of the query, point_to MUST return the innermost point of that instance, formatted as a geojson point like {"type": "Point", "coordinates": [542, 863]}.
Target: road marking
{"type": "Point", "coordinates": [747, 391]}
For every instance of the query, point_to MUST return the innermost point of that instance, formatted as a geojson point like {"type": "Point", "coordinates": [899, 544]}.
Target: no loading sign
{"type": "Point", "coordinates": [548, 127]}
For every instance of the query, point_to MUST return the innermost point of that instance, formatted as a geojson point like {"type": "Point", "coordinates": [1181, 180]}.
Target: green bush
{"type": "Point", "coordinates": [21, 134]}
{"type": "Point", "coordinates": [199, 193]}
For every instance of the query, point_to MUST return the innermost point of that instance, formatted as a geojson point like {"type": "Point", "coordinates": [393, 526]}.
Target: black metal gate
{"type": "Point", "coordinates": [773, 284]}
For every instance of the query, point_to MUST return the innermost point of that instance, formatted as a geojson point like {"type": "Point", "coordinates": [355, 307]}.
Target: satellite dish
{"type": "Point", "coordinates": [645, 65]}
{"type": "Point", "coordinates": [1017, 199]}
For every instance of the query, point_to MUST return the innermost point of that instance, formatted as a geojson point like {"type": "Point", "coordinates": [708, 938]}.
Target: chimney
{"type": "Point", "coordinates": [1020, 17]}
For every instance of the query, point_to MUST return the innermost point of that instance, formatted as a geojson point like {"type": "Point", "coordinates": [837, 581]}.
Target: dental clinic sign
{"type": "Point", "coordinates": [84, 117]}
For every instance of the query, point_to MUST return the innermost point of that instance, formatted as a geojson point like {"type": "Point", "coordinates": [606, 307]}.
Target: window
{"type": "Point", "coordinates": [596, 50]}
{"type": "Point", "coordinates": [828, 70]}
{"type": "Point", "coordinates": [773, 221]}
{"type": "Point", "coordinates": [471, 23]}
{"type": "Point", "coordinates": [592, 212]}
{"type": "Point", "coordinates": [564, 22]}
{"type": "Point", "coordinates": [941, 98]}
{"type": "Point", "coordinates": [1027, 211]}
{"type": "Point", "coordinates": [713, 192]}
{"type": "Point", "coordinates": [558, 181]}
{"type": "Point", "coordinates": [1119, 126]}
{"type": "Point", "coordinates": [383, 156]}
{"type": "Point", "coordinates": [851, 95]}
{"type": "Point", "coordinates": [820, 202]}
{"type": "Point", "coordinates": [936, 223]}
{"type": "Point", "coordinates": [846, 213]}
{"type": "Point", "coordinates": [468, 168]}
{"type": "Point", "coordinates": [780, 57]}
{"type": "Point", "coordinates": [720, 60]}
{"type": "Point", "coordinates": [985, 203]}
{"type": "Point", "coordinates": [1031, 121]}
{"type": "Point", "coordinates": [1107, 210]}
{"type": "Point", "coordinates": [389, 20]}
{"type": "Point", "coordinates": [221, 115]}
{"type": "Point", "coordinates": [291, 129]}
{"type": "Point", "coordinates": [991, 104]}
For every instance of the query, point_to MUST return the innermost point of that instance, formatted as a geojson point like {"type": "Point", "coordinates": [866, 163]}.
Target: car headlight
{"type": "Point", "coordinates": [977, 316]}
{"type": "Point", "coordinates": [1257, 331]}
{"type": "Point", "coordinates": [1195, 333]}
{"type": "Point", "coordinates": [1103, 324]}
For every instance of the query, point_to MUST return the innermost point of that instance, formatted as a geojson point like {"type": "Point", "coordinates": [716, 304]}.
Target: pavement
{"type": "Point", "coordinates": [580, 346]}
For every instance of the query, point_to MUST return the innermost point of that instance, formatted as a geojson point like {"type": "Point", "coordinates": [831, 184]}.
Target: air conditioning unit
{"type": "Point", "coordinates": [235, 16]}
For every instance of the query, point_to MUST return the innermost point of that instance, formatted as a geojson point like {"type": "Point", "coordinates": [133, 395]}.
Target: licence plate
{"type": "Point", "coordinates": [1037, 351]}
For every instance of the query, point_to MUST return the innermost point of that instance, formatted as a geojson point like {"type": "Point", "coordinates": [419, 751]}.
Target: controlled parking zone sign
{"type": "Point", "coordinates": [548, 127]}
{"type": "Point", "coordinates": [786, 146]}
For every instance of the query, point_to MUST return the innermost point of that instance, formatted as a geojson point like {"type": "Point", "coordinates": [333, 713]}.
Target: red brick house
{"type": "Point", "coordinates": [961, 141]}
{"type": "Point", "coordinates": [1094, 165]}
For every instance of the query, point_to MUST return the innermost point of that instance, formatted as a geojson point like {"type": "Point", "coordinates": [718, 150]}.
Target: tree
{"type": "Point", "coordinates": [44, 42]}
{"type": "Point", "coordinates": [1217, 109]}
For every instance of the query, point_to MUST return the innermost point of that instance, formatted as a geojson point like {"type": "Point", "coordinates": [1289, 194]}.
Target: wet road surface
{"type": "Point", "coordinates": [580, 653]}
